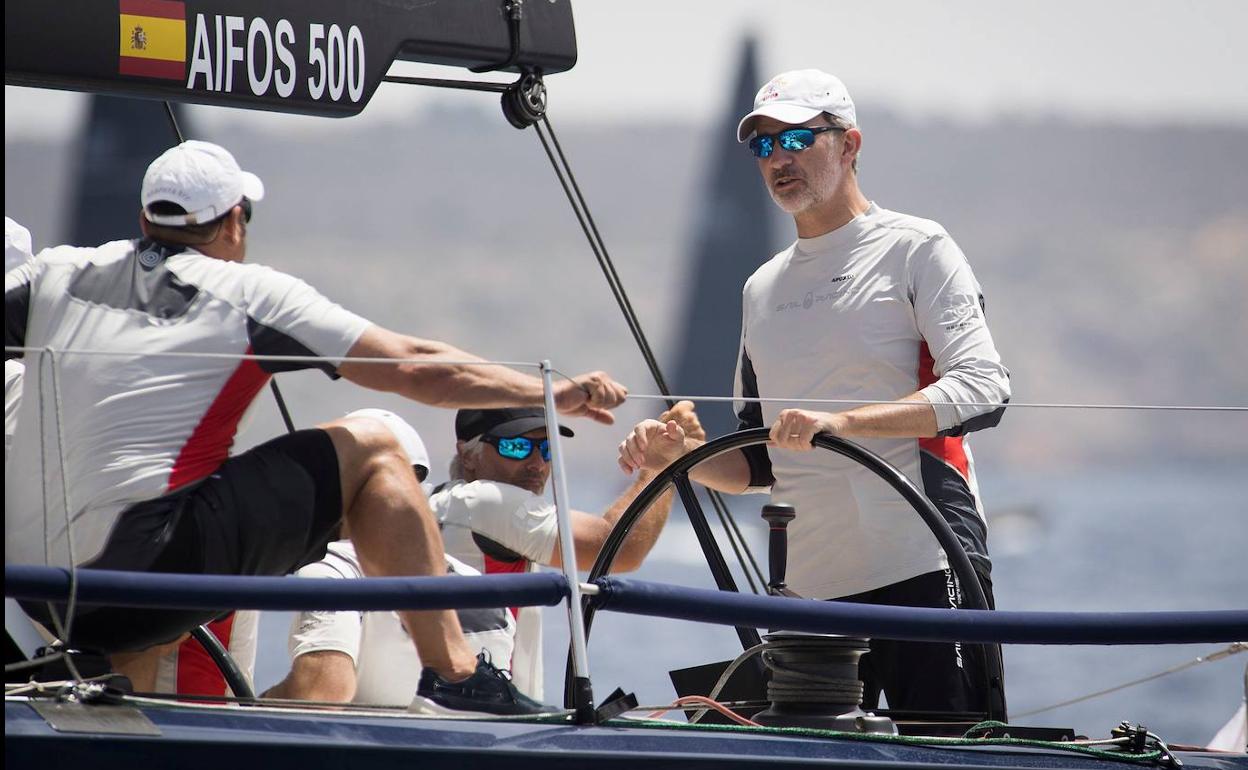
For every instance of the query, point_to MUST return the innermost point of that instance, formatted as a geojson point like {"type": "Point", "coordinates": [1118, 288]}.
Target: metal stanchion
{"type": "Point", "coordinates": [583, 702]}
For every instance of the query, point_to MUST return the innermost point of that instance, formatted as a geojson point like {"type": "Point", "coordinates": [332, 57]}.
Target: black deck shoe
{"type": "Point", "coordinates": [489, 690]}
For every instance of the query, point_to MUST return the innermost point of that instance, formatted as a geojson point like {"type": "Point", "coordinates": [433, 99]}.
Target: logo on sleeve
{"type": "Point", "coordinates": [961, 313]}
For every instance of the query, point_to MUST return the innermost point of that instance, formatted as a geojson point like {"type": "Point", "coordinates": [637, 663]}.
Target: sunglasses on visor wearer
{"type": "Point", "coordinates": [791, 139]}
{"type": "Point", "coordinates": [519, 447]}
{"type": "Point", "coordinates": [246, 204]}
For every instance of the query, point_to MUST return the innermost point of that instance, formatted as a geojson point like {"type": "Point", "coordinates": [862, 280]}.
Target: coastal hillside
{"type": "Point", "coordinates": [1114, 258]}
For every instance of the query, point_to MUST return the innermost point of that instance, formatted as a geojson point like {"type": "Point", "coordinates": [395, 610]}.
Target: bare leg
{"type": "Point", "coordinates": [395, 534]}
{"type": "Point", "coordinates": [140, 667]}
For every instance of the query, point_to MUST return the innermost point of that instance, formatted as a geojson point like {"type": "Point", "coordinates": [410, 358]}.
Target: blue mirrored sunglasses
{"type": "Point", "coordinates": [791, 139]}
{"type": "Point", "coordinates": [519, 447]}
{"type": "Point", "coordinates": [246, 204]}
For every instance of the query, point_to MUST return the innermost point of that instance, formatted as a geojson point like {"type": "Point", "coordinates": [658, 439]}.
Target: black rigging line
{"type": "Point", "coordinates": [173, 122]}
{"type": "Point", "coordinates": [745, 557]}
{"type": "Point", "coordinates": [604, 260]}
{"type": "Point", "coordinates": [277, 392]}
{"type": "Point", "coordinates": [613, 279]}
{"type": "Point", "coordinates": [281, 405]}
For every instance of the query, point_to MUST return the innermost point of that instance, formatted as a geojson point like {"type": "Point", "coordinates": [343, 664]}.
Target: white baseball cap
{"type": "Point", "coordinates": [407, 436]}
{"type": "Point", "coordinates": [202, 178]}
{"type": "Point", "coordinates": [796, 97]}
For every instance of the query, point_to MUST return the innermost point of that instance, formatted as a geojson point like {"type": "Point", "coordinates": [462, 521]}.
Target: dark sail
{"type": "Point", "coordinates": [733, 236]}
{"type": "Point", "coordinates": [120, 139]}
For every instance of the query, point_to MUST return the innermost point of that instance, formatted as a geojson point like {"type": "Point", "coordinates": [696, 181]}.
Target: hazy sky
{"type": "Point", "coordinates": [1176, 61]}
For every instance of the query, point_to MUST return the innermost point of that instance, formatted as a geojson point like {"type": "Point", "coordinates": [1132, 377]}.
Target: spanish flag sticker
{"type": "Point", "coordinates": [153, 39]}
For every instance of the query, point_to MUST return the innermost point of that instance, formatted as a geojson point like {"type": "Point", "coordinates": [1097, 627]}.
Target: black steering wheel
{"type": "Point", "coordinates": [677, 474]}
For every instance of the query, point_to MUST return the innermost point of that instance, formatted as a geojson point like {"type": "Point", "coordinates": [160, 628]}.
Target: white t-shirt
{"type": "Point", "coordinates": [17, 252]}
{"type": "Point", "coordinates": [387, 668]}
{"type": "Point", "coordinates": [874, 310]}
{"type": "Point", "coordinates": [133, 425]}
{"type": "Point", "coordinates": [13, 372]}
{"type": "Point", "coordinates": [518, 521]}
{"type": "Point", "coordinates": [18, 246]}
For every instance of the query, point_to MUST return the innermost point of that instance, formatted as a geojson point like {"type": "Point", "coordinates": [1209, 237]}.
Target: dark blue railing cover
{"type": "Point", "coordinates": [639, 597]}
{"type": "Point", "coordinates": [140, 589]}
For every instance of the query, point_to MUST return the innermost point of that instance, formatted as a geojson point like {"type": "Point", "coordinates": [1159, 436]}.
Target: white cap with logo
{"type": "Point", "coordinates": [202, 178]}
{"type": "Point", "coordinates": [796, 97]}
{"type": "Point", "coordinates": [407, 437]}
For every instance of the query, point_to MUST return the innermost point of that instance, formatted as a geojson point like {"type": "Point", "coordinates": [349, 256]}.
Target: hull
{"type": "Point", "coordinates": [214, 737]}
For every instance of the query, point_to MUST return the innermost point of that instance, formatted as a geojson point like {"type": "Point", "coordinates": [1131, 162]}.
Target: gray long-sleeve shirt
{"type": "Point", "coordinates": [873, 311]}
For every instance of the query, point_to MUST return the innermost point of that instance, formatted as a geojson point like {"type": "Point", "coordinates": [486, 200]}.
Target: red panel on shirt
{"type": "Point", "coordinates": [948, 449]}
{"type": "Point", "coordinates": [495, 567]}
{"type": "Point", "coordinates": [197, 673]}
{"type": "Point", "coordinates": [209, 444]}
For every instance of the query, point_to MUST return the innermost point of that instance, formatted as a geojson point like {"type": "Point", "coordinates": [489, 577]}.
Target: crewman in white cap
{"type": "Point", "coordinates": [139, 455]}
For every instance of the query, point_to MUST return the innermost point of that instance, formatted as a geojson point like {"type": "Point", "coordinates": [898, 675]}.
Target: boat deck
{"type": "Point", "coordinates": [213, 737]}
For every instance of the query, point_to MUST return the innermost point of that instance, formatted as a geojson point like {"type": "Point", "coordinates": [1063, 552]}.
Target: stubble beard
{"type": "Point", "coordinates": [536, 485]}
{"type": "Point", "coordinates": [795, 201]}
{"type": "Point", "coordinates": [811, 189]}
{"type": "Point", "coordinates": [803, 195]}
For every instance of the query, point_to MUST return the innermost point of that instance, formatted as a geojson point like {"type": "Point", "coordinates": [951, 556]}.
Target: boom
{"type": "Point", "coordinates": [322, 57]}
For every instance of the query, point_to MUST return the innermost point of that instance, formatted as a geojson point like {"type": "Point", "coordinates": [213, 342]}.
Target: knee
{"type": "Point", "coordinates": [365, 443]}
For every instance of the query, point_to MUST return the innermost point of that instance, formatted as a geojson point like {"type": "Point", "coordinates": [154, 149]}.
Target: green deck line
{"type": "Point", "coordinates": [908, 740]}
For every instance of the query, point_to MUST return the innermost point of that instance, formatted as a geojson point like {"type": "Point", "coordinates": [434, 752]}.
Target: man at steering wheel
{"type": "Point", "coordinates": [881, 312]}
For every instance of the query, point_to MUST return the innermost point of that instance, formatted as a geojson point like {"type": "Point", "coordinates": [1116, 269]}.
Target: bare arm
{"type": "Point", "coordinates": [910, 417]}
{"type": "Point", "coordinates": [653, 445]}
{"type": "Point", "coordinates": [645, 531]}
{"type": "Point", "coordinates": [589, 532]}
{"type": "Point", "coordinates": [728, 473]}
{"type": "Point", "coordinates": [324, 675]}
{"type": "Point", "coordinates": [434, 380]}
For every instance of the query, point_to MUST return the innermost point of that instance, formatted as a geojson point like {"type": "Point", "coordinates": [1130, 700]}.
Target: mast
{"type": "Point", "coordinates": [734, 235]}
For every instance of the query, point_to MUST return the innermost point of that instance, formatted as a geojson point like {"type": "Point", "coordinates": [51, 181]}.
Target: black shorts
{"type": "Point", "coordinates": [931, 677]}
{"type": "Point", "coordinates": [267, 511]}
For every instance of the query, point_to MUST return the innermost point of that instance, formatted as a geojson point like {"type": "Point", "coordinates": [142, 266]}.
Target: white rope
{"type": "Point", "coordinates": [259, 357]}
{"type": "Point", "coordinates": [1233, 649]}
{"type": "Point", "coordinates": [62, 628]}
{"type": "Point", "coordinates": [724, 677]}
{"type": "Point", "coordinates": [57, 412]}
{"type": "Point", "coordinates": [642, 396]}
{"type": "Point", "coordinates": [993, 405]}
{"type": "Point", "coordinates": [990, 405]}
